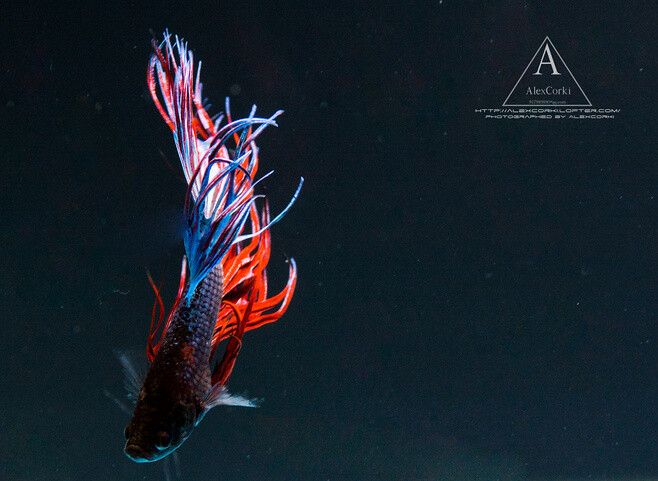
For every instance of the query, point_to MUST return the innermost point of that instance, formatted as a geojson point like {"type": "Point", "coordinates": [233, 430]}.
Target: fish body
{"type": "Point", "coordinates": [178, 381]}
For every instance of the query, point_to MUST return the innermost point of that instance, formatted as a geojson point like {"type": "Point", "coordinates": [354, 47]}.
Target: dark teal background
{"type": "Point", "coordinates": [476, 298]}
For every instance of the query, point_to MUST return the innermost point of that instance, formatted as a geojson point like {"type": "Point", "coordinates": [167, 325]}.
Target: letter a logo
{"type": "Point", "coordinates": [547, 81]}
{"type": "Point", "coordinates": [549, 56]}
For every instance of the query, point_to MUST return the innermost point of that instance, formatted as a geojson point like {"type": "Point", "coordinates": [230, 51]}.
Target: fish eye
{"type": "Point", "coordinates": [126, 432]}
{"type": "Point", "coordinates": [164, 440]}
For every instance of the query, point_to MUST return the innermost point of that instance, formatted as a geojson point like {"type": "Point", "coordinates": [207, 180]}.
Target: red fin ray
{"type": "Point", "coordinates": [152, 346]}
{"type": "Point", "coordinates": [223, 370]}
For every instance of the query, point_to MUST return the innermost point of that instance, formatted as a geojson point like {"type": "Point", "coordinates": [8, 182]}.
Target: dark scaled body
{"type": "Point", "coordinates": [172, 399]}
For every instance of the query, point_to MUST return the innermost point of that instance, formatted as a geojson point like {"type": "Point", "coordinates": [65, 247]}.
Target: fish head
{"type": "Point", "coordinates": [158, 427]}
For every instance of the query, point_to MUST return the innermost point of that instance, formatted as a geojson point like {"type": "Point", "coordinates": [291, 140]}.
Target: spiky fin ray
{"type": "Point", "coordinates": [199, 140]}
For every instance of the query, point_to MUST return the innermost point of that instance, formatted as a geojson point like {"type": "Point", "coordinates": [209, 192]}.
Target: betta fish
{"type": "Point", "coordinates": [223, 285]}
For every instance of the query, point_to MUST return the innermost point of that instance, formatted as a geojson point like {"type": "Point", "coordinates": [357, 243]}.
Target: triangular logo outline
{"type": "Point", "coordinates": [542, 46]}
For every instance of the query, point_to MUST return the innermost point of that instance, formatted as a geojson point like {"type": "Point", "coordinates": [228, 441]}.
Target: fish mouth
{"type": "Point", "coordinates": [138, 454]}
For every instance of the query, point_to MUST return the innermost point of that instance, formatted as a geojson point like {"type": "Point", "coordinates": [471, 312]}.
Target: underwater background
{"type": "Point", "coordinates": [476, 297]}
